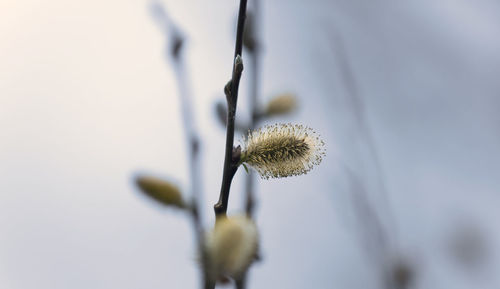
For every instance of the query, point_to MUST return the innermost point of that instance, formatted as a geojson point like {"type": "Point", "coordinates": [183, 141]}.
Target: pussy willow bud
{"type": "Point", "coordinates": [161, 191]}
{"type": "Point", "coordinates": [282, 150]}
{"type": "Point", "coordinates": [231, 247]}
{"type": "Point", "coordinates": [281, 104]}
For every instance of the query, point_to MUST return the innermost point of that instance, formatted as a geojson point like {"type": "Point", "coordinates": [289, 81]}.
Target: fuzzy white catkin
{"type": "Point", "coordinates": [231, 246]}
{"type": "Point", "coordinates": [283, 150]}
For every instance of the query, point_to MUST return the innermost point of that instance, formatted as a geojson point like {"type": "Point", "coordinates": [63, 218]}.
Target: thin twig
{"type": "Point", "coordinates": [253, 89]}
{"type": "Point", "coordinates": [194, 165]}
{"type": "Point", "coordinates": [369, 215]}
{"type": "Point", "coordinates": [254, 114]}
{"type": "Point", "coordinates": [371, 225]}
{"type": "Point", "coordinates": [231, 157]}
{"type": "Point", "coordinates": [175, 52]}
{"type": "Point", "coordinates": [358, 108]}
{"type": "Point", "coordinates": [193, 155]}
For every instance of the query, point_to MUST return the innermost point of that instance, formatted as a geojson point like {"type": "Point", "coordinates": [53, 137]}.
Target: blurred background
{"type": "Point", "coordinates": [405, 94]}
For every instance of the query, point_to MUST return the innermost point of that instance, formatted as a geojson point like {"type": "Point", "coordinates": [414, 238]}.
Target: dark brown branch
{"type": "Point", "coordinates": [231, 90]}
{"type": "Point", "coordinates": [221, 114]}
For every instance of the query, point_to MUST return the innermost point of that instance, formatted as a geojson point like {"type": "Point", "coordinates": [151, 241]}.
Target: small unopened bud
{"type": "Point", "coordinates": [161, 191]}
{"type": "Point", "coordinates": [282, 150]}
{"type": "Point", "coordinates": [238, 64]}
{"type": "Point", "coordinates": [281, 104]}
{"type": "Point", "coordinates": [231, 247]}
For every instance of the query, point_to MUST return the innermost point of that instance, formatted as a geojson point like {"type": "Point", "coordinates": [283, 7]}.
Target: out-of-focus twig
{"type": "Point", "coordinates": [253, 45]}
{"type": "Point", "coordinates": [175, 44]}
{"type": "Point", "coordinates": [358, 109]}
{"type": "Point", "coordinates": [372, 230]}
{"type": "Point", "coordinates": [377, 236]}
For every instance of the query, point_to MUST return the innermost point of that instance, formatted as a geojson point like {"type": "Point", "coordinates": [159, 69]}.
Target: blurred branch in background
{"type": "Point", "coordinates": [377, 235]}
{"type": "Point", "coordinates": [357, 107]}
{"type": "Point", "coordinates": [251, 41]}
{"type": "Point", "coordinates": [175, 44]}
{"type": "Point", "coordinates": [396, 270]}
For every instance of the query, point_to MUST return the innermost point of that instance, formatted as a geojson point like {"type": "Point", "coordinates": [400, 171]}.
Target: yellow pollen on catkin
{"type": "Point", "coordinates": [283, 150]}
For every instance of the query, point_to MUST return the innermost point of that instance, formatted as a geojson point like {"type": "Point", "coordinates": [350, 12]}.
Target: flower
{"type": "Point", "coordinates": [282, 150]}
{"type": "Point", "coordinates": [231, 246]}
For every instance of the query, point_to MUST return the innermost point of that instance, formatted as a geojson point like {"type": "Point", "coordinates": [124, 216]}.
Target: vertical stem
{"type": "Point", "coordinates": [175, 42]}
{"type": "Point", "coordinates": [193, 152]}
{"type": "Point", "coordinates": [254, 116]}
{"type": "Point", "coordinates": [253, 89]}
{"type": "Point", "coordinates": [231, 157]}
{"type": "Point", "coordinates": [382, 208]}
{"type": "Point", "coordinates": [241, 283]}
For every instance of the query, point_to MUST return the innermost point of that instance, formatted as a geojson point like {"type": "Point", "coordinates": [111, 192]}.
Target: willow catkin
{"type": "Point", "coordinates": [282, 150]}
{"type": "Point", "coordinates": [161, 191]}
{"type": "Point", "coordinates": [231, 246]}
{"type": "Point", "coordinates": [281, 104]}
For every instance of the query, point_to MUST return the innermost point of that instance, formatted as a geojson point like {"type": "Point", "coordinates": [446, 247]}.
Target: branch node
{"type": "Point", "coordinates": [177, 44]}
{"type": "Point", "coordinates": [236, 154]}
{"type": "Point", "coordinates": [227, 88]}
{"type": "Point", "coordinates": [238, 64]}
